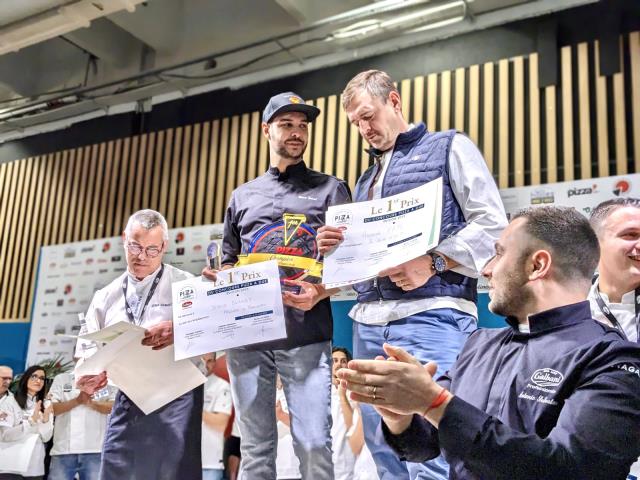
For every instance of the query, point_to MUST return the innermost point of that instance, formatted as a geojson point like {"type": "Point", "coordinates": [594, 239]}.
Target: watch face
{"type": "Point", "coordinates": [439, 264]}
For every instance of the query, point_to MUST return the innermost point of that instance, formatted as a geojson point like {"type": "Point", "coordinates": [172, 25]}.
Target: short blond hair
{"type": "Point", "coordinates": [375, 82]}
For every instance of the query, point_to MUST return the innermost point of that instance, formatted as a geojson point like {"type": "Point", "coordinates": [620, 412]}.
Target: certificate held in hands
{"type": "Point", "coordinates": [243, 306]}
{"type": "Point", "coordinates": [383, 233]}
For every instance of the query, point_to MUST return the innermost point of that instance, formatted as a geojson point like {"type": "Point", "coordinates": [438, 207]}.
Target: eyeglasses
{"type": "Point", "coordinates": [151, 252]}
{"type": "Point", "coordinates": [35, 377]}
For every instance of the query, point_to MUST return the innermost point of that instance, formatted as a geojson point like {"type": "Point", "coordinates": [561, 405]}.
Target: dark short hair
{"type": "Point", "coordinates": [568, 236]}
{"type": "Point", "coordinates": [343, 350]}
{"type": "Point", "coordinates": [606, 208]}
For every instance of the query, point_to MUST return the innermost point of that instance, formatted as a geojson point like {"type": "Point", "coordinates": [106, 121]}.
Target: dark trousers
{"type": "Point", "coordinates": [164, 445]}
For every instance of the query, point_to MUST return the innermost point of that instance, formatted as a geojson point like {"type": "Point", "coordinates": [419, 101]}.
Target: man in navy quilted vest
{"type": "Point", "coordinates": [427, 306]}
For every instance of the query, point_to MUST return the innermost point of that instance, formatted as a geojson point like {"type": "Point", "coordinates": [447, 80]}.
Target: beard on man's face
{"type": "Point", "coordinates": [283, 151]}
{"type": "Point", "coordinates": [512, 294]}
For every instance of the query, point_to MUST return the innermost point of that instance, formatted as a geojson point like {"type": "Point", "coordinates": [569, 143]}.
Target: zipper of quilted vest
{"type": "Point", "coordinates": [375, 284]}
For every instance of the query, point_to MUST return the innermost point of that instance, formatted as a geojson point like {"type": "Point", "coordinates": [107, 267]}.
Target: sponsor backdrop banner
{"type": "Point", "coordinates": [69, 274]}
{"type": "Point", "coordinates": [583, 195]}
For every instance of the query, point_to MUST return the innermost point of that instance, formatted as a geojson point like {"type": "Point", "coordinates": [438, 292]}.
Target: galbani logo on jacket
{"type": "Point", "coordinates": [547, 377]}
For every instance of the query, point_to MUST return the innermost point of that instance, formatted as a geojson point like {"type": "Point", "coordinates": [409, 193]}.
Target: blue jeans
{"type": "Point", "coordinates": [212, 474]}
{"type": "Point", "coordinates": [433, 335]}
{"type": "Point", "coordinates": [65, 467]}
{"type": "Point", "coordinates": [306, 378]}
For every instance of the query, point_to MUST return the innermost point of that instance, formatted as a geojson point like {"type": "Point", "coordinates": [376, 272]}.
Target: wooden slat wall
{"type": "Point", "coordinates": [528, 136]}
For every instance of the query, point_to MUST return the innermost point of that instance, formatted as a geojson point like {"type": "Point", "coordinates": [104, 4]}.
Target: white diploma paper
{"type": "Point", "coordinates": [243, 306]}
{"type": "Point", "coordinates": [15, 456]}
{"type": "Point", "coordinates": [383, 233]}
{"type": "Point", "coordinates": [150, 378]}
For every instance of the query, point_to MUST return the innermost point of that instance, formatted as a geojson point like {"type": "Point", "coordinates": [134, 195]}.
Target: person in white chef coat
{"type": "Point", "coordinates": [166, 444]}
{"type": "Point", "coordinates": [26, 421]}
{"type": "Point", "coordinates": [215, 417]}
{"type": "Point", "coordinates": [79, 429]}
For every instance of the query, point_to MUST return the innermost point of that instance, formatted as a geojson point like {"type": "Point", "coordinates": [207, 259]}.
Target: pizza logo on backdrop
{"type": "Point", "coordinates": [572, 192]}
{"type": "Point", "coordinates": [67, 289]}
{"type": "Point", "coordinates": [621, 187]}
{"type": "Point", "coordinates": [179, 237]}
{"type": "Point", "coordinates": [106, 247]}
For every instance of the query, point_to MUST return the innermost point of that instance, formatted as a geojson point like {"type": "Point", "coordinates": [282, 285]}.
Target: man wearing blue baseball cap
{"type": "Point", "coordinates": [278, 214]}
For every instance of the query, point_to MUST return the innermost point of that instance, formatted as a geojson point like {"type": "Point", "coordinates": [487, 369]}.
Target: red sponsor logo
{"type": "Point", "coordinates": [290, 250]}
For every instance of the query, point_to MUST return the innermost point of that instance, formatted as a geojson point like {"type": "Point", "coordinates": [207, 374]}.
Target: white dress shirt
{"type": "Point", "coordinates": [217, 399]}
{"type": "Point", "coordinates": [81, 429]}
{"type": "Point", "coordinates": [625, 311]}
{"type": "Point", "coordinates": [472, 247]}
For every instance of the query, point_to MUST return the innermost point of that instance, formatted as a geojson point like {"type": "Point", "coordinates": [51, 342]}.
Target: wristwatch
{"type": "Point", "coordinates": [438, 263]}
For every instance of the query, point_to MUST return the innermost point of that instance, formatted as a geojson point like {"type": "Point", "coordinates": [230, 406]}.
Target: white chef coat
{"type": "Point", "coordinates": [217, 399]}
{"type": "Point", "coordinates": [625, 311]}
{"type": "Point", "coordinates": [287, 464]}
{"type": "Point", "coordinates": [17, 428]}
{"type": "Point", "coordinates": [343, 457]}
{"type": "Point", "coordinates": [108, 305]}
{"type": "Point", "coordinates": [81, 429]}
{"type": "Point", "coordinates": [365, 467]}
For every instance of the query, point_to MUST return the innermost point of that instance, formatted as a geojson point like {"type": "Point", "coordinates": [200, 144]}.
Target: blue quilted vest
{"type": "Point", "coordinates": [419, 157]}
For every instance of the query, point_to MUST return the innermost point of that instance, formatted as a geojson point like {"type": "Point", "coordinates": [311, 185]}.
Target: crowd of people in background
{"type": "Point", "coordinates": [555, 394]}
{"type": "Point", "coordinates": [70, 426]}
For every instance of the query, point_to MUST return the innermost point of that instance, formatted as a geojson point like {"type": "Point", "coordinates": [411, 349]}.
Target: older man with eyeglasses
{"type": "Point", "coordinates": [166, 443]}
{"type": "Point", "coordinates": [6, 375]}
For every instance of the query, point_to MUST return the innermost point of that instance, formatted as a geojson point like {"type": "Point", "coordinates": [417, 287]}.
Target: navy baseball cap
{"type": "Point", "coordinates": [288, 102]}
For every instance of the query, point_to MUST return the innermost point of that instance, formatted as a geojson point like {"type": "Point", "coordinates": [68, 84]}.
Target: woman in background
{"type": "Point", "coordinates": [28, 419]}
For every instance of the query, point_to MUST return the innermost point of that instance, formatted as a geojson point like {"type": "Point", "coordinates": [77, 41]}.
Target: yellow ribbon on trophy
{"type": "Point", "coordinates": [311, 265]}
